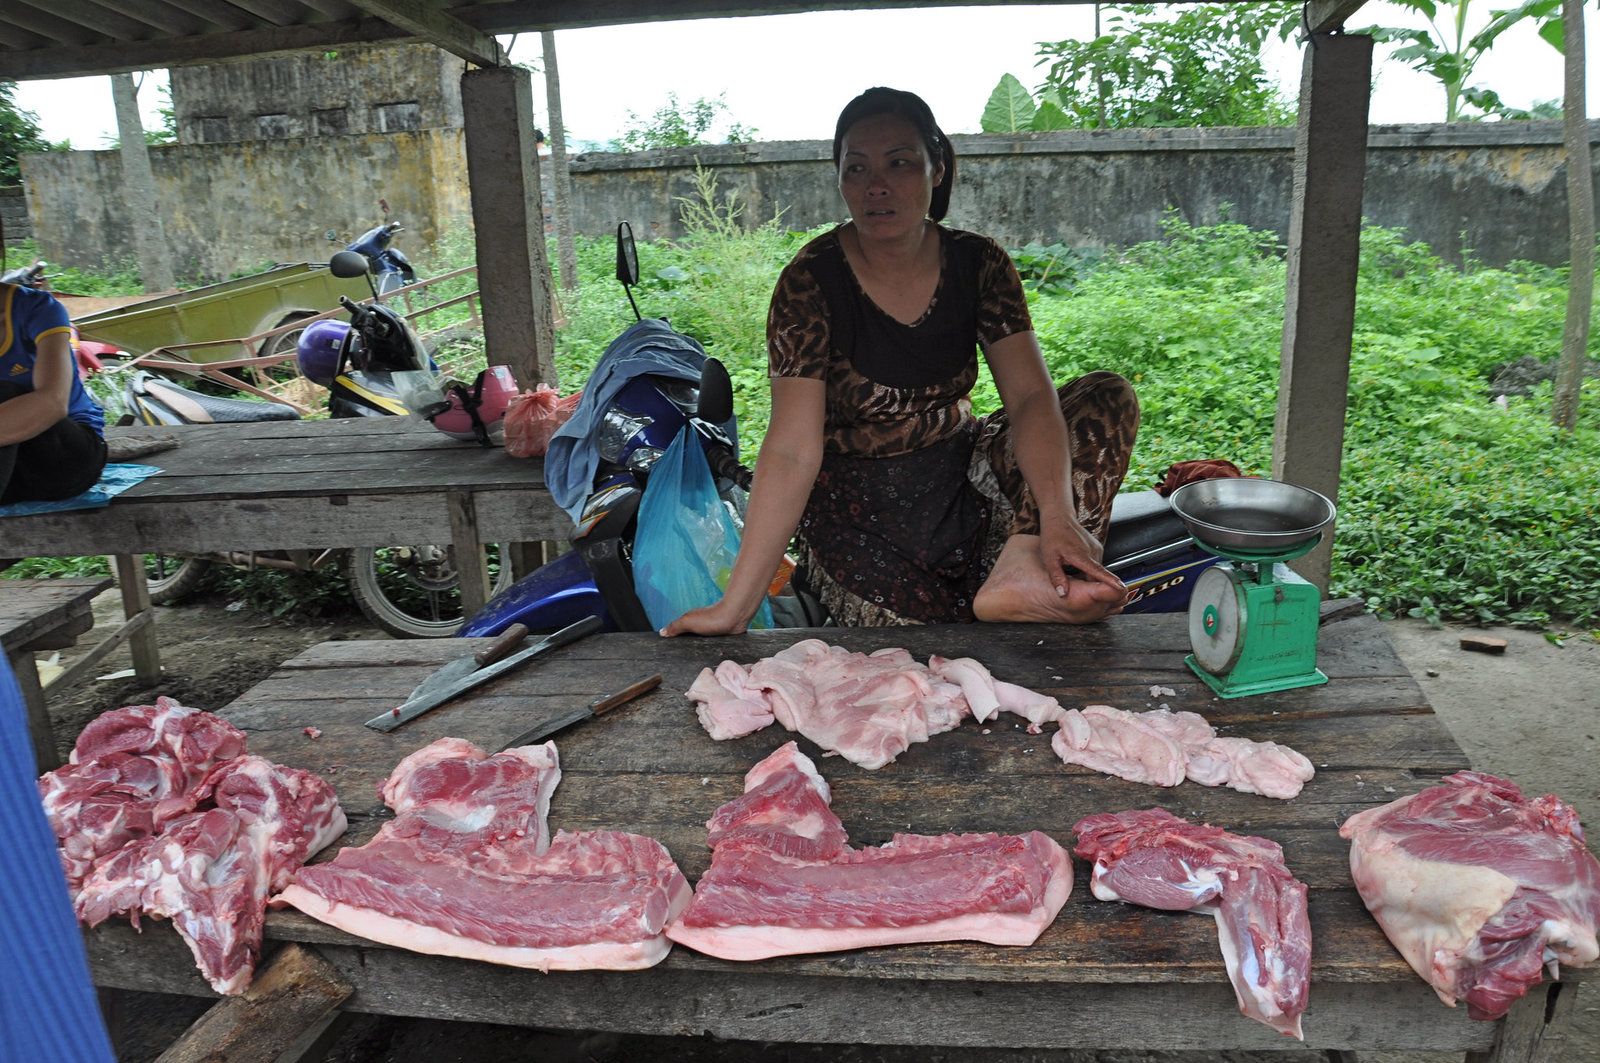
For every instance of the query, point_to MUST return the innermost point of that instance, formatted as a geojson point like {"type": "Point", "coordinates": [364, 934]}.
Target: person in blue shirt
{"type": "Point", "coordinates": [52, 442]}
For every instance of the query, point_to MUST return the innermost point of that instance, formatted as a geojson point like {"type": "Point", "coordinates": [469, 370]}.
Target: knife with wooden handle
{"type": "Point", "coordinates": [596, 707]}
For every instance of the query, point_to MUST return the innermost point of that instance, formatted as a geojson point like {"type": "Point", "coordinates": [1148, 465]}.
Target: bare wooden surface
{"type": "Point", "coordinates": [42, 614]}
{"type": "Point", "coordinates": [1102, 976]}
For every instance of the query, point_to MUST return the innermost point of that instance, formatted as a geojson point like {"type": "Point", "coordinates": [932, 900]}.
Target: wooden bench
{"type": "Point", "coordinates": [45, 614]}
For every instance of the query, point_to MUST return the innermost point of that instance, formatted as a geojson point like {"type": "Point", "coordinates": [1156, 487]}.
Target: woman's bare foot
{"type": "Point", "coordinates": [1019, 590]}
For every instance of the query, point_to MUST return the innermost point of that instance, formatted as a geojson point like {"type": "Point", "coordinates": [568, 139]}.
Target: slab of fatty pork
{"type": "Point", "coordinates": [1164, 748]}
{"type": "Point", "coordinates": [468, 868]}
{"type": "Point", "coordinates": [1481, 889]}
{"type": "Point", "coordinates": [1155, 859]}
{"type": "Point", "coordinates": [868, 708]}
{"type": "Point", "coordinates": [783, 879]}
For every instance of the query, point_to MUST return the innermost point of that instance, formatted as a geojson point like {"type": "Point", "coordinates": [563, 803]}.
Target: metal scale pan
{"type": "Point", "coordinates": [1253, 625]}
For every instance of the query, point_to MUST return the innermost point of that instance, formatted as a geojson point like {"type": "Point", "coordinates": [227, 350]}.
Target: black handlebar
{"type": "Point", "coordinates": [725, 465]}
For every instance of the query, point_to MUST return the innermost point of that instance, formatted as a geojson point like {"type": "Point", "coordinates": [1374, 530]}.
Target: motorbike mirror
{"type": "Point", "coordinates": [331, 235]}
{"type": "Point", "coordinates": [348, 264]}
{"type": "Point", "coordinates": [628, 264]}
{"type": "Point", "coordinates": [716, 393]}
{"type": "Point", "coordinates": [627, 256]}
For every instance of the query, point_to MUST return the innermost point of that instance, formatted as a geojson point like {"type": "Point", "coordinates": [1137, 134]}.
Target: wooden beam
{"type": "Point", "coordinates": [1329, 16]}
{"type": "Point", "coordinates": [434, 25]}
{"type": "Point", "coordinates": [1330, 158]}
{"type": "Point", "coordinates": [125, 56]}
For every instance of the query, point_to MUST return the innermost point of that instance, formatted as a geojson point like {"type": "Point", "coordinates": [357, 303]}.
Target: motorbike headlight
{"type": "Point", "coordinates": [641, 460]}
{"type": "Point", "coordinates": [616, 428]}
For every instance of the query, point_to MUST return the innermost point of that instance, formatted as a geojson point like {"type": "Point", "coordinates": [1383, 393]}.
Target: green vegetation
{"type": "Point", "coordinates": [680, 125]}
{"type": "Point", "coordinates": [1454, 505]}
{"type": "Point", "coordinates": [19, 134]}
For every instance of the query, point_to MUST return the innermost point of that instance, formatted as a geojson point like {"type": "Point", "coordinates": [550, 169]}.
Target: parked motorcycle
{"type": "Point", "coordinates": [411, 591]}
{"type": "Point", "coordinates": [1148, 546]}
{"type": "Point", "coordinates": [386, 263]}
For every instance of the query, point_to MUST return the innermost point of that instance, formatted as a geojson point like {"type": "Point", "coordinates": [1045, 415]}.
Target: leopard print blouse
{"type": "Point", "coordinates": [893, 388]}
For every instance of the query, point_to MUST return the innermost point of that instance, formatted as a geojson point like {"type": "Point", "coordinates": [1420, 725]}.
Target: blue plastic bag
{"type": "Point", "coordinates": [683, 552]}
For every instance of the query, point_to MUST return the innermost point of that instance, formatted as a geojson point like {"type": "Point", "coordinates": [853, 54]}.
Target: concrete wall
{"type": "Point", "coordinates": [234, 208]}
{"type": "Point", "coordinates": [14, 215]}
{"type": "Point", "coordinates": [357, 89]}
{"type": "Point", "coordinates": [1498, 189]}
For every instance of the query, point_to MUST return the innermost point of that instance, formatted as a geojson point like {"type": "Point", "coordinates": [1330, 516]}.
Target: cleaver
{"type": "Point", "coordinates": [416, 706]}
{"type": "Point", "coordinates": [448, 675]}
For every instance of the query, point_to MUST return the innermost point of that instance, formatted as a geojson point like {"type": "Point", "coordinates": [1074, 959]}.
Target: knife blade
{"type": "Point", "coordinates": [596, 707]}
{"type": "Point", "coordinates": [411, 709]}
{"type": "Point", "coordinates": [445, 676]}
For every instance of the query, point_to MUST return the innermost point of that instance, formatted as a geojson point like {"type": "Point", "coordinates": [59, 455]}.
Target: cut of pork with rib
{"type": "Point", "coordinates": [1152, 858]}
{"type": "Point", "coordinates": [467, 868]}
{"type": "Point", "coordinates": [211, 871]}
{"type": "Point", "coordinates": [1163, 748]}
{"type": "Point", "coordinates": [132, 771]}
{"type": "Point", "coordinates": [1481, 889]}
{"type": "Point", "coordinates": [772, 891]}
{"type": "Point", "coordinates": [868, 708]}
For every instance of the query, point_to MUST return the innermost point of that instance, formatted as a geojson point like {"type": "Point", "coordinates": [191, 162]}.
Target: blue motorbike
{"type": "Point", "coordinates": [652, 382]}
{"type": "Point", "coordinates": [387, 264]}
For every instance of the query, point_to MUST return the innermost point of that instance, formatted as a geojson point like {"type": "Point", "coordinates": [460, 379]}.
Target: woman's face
{"type": "Point", "coordinates": [886, 175]}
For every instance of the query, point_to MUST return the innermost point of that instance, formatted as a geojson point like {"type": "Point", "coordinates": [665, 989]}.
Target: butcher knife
{"type": "Point", "coordinates": [594, 708]}
{"type": "Point", "coordinates": [446, 677]}
{"type": "Point", "coordinates": [414, 706]}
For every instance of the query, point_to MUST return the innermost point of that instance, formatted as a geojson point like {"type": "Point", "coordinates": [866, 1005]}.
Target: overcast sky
{"type": "Point", "coordinates": [787, 76]}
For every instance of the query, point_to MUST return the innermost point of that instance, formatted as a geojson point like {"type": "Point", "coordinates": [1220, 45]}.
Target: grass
{"type": "Point", "coordinates": [1453, 506]}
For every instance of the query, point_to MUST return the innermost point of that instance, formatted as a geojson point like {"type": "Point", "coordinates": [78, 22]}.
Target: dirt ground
{"type": "Point", "coordinates": [1530, 714]}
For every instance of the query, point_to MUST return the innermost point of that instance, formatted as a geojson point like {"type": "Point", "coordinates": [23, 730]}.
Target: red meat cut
{"type": "Point", "coordinates": [1155, 859]}
{"type": "Point", "coordinates": [783, 880]}
{"type": "Point", "coordinates": [1480, 889]}
{"type": "Point", "coordinates": [467, 868]}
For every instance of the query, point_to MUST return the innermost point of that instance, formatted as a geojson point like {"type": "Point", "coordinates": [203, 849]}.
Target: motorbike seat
{"type": "Point", "coordinates": [193, 407]}
{"type": "Point", "coordinates": [1141, 521]}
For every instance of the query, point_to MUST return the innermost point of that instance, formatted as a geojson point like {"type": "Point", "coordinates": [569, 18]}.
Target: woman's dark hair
{"type": "Point", "coordinates": [910, 106]}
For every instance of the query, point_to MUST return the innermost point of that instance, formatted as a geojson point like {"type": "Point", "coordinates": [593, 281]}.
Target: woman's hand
{"type": "Point", "coordinates": [708, 620]}
{"type": "Point", "coordinates": [1096, 591]}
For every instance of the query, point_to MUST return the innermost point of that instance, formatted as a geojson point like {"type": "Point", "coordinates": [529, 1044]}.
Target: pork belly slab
{"type": "Point", "coordinates": [1164, 748]}
{"type": "Point", "coordinates": [468, 868]}
{"type": "Point", "coordinates": [783, 879]}
{"type": "Point", "coordinates": [868, 708]}
{"type": "Point", "coordinates": [1481, 889]}
{"type": "Point", "coordinates": [1155, 859]}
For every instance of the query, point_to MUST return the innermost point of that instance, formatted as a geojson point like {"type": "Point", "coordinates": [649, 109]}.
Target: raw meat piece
{"type": "Point", "coordinates": [467, 868]}
{"type": "Point", "coordinates": [1164, 748]}
{"type": "Point", "coordinates": [1153, 858]}
{"type": "Point", "coordinates": [775, 891]}
{"type": "Point", "coordinates": [132, 771]}
{"type": "Point", "coordinates": [211, 871]}
{"type": "Point", "coordinates": [1479, 888]}
{"type": "Point", "coordinates": [868, 708]}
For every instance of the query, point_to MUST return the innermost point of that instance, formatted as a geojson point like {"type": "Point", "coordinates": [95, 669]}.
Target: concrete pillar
{"type": "Point", "coordinates": [1330, 152]}
{"type": "Point", "coordinates": [508, 216]}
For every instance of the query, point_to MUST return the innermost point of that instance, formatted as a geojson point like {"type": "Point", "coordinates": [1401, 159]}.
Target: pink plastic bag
{"type": "Point", "coordinates": [533, 417]}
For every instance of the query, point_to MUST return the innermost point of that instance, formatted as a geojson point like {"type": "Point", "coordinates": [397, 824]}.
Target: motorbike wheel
{"type": "Point", "coordinates": [172, 579]}
{"type": "Point", "coordinates": [415, 591]}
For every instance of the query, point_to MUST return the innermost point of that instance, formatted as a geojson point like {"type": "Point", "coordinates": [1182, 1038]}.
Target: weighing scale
{"type": "Point", "coordinates": [1253, 622]}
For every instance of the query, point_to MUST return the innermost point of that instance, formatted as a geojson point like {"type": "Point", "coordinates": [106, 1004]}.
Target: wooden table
{"type": "Point", "coordinates": [297, 485]}
{"type": "Point", "coordinates": [43, 614]}
{"type": "Point", "coordinates": [1103, 976]}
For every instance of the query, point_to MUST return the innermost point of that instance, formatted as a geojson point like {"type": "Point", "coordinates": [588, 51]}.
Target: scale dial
{"type": "Point", "coordinates": [1217, 619]}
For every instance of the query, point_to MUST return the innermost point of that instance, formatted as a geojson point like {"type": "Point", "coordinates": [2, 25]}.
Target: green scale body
{"type": "Point", "coordinates": [1253, 626]}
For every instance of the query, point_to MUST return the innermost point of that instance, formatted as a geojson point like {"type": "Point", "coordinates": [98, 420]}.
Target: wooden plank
{"type": "Point", "coordinates": [292, 993]}
{"type": "Point", "coordinates": [136, 606]}
{"type": "Point", "coordinates": [436, 27]}
{"type": "Point", "coordinates": [32, 609]}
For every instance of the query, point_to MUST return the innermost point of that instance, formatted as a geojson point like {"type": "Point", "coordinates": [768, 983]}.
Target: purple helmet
{"type": "Point", "coordinates": [317, 350]}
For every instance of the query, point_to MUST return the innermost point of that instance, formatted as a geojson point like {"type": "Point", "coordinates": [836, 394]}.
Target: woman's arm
{"type": "Point", "coordinates": [785, 472]}
{"type": "Point", "coordinates": [27, 415]}
{"type": "Point", "coordinates": [1044, 456]}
